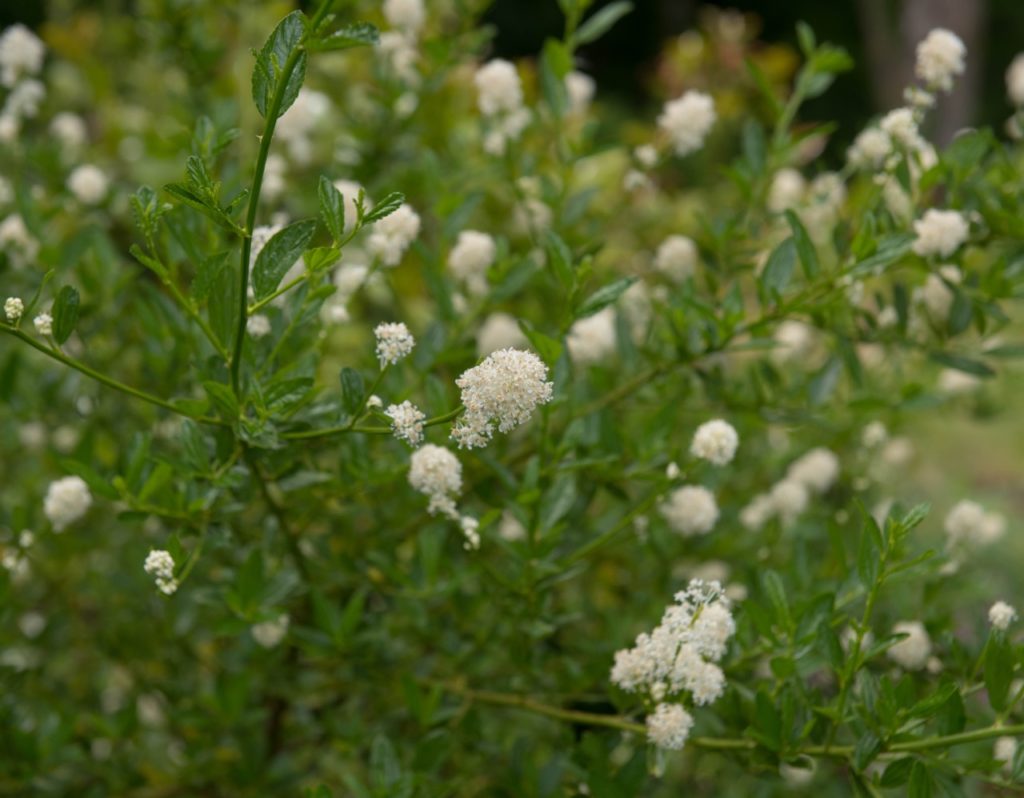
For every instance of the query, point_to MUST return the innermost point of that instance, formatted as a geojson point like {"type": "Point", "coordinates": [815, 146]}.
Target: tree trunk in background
{"type": "Point", "coordinates": [891, 33]}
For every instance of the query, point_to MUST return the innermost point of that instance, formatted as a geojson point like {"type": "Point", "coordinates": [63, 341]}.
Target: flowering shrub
{"type": "Point", "coordinates": [421, 432]}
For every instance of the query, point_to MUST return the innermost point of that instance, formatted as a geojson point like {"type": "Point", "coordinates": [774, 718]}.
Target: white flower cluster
{"type": "Point", "coordinates": [160, 565]}
{"type": "Point", "coordinates": [436, 472]}
{"type": "Point", "coordinates": [394, 342]}
{"type": "Point", "coordinates": [939, 233]}
{"type": "Point", "coordinates": [679, 657]}
{"type": "Point", "coordinates": [67, 500]}
{"type": "Point", "coordinates": [676, 258]}
{"type": "Point", "coordinates": [470, 258]}
{"type": "Point", "coordinates": [970, 524]}
{"type": "Point", "coordinates": [500, 100]}
{"type": "Point", "coordinates": [393, 234]}
{"type": "Point", "coordinates": [501, 391]}
{"type": "Point", "coordinates": [407, 422]}
{"type": "Point", "coordinates": [913, 651]}
{"type": "Point", "coordinates": [936, 295]}
{"type": "Point", "coordinates": [1001, 615]}
{"type": "Point", "coordinates": [269, 634]}
{"type": "Point", "coordinates": [940, 57]}
{"type": "Point", "coordinates": [88, 183]}
{"type": "Point", "coordinates": [580, 88]}
{"type": "Point", "coordinates": [1015, 81]}
{"type": "Point", "coordinates": [687, 121]}
{"type": "Point", "coordinates": [592, 338]}
{"type": "Point", "coordinates": [690, 510]}
{"type": "Point", "coordinates": [13, 308]}
{"type": "Point", "coordinates": [715, 441]}
{"type": "Point", "coordinates": [258, 325]}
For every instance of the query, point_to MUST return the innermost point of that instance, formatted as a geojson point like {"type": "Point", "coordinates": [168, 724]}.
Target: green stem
{"type": "Point", "coordinates": [718, 743]}
{"type": "Point", "coordinates": [60, 357]}
{"type": "Point", "coordinates": [451, 415]}
{"type": "Point", "coordinates": [256, 306]}
{"type": "Point", "coordinates": [291, 539]}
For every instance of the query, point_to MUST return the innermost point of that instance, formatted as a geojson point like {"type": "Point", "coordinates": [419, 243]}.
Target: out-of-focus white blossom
{"type": "Point", "coordinates": [258, 325]}
{"type": "Point", "coordinates": [940, 58]}
{"type": "Point", "coordinates": [690, 510]}
{"type": "Point", "coordinates": [406, 15]}
{"type": "Point", "coordinates": [795, 340]}
{"type": "Point", "coordinates": [968, 523]}
{"type": "Point", "coordinates": [393, 234]}
{"type": "Point", "coordinates": [1015, 80]}
{"type": "Point", "coordinates": [646, 155]}
{"type": "Point", "coordinates": [297, 124]}
{"type": "Point", "coordinates": [1001, 615]}
{"type": "Point", "coordinates": [350, 191]}
{"type": "Point", "coordinates": [160, 565]}
{"type": "Point", "coordinates": [937, 295]}
{"type": "Point", "coordinates": [580, 87]}
{"type": "Point", "coordinates": [954, 382]}
{"type": "Point", "coordinates": [1005, 750]}
{"type": "Point", "coordinates": [498, 87]}
{"type": "Point", "coordinates": [900, 125]}
{"type": "Point", "coordinates": [88, 183]}
{"type": "Point", "coordinates": [511, 528]}
{"type": "Point", "coordinates": [394, 342]}
{"type": "Point", "coordinates": [939, 233]}
{"type": "Point", "coordinates": [470, 531]}
{"type": "Point", "coordinates": [21, 53]}
{"type": "Point", "coordinates": [672, 471]}
{"type": "Point", "coordinates": [67, 500]}
{"type": "Point", "coordinates": [499, 331]}
{"type": "Point", "coordinates": [269, 634]}
{"type": "Point", "coordinates": [870, 149]}
{"type": "Point", "coordinates": [398, 51]}
{"type": "Point", "coordinates": [687, 121]}
{"type": "Point", "coordinates": [676, 258]}
{"type": "Point", "coordinates": [817, 470]}
{"type": "Point", "coordinates": [592, 339]}
{"type": "Point", "coordinates": [436, 473]}
{"type": "Point", "coordinates": [407, 422]}
{"type": "Point", "coordinates": [470, 258]}
{"type": "Point", "coordinates": [69, 129]}
{"type": "Point", "coordinates": [787, 190]}
{"type": "Point", "coordinates": [501, 392]}
{"type": "Point", "coordinates": [874, 435]}
{"type": "Point", "coordinates": [715, 441]}
{"type": "Point", "coordinates": [789, 498]}
{"type": "Point", "coordinates": [912, 652]}
{"type": "Point", "coordinates": [15, 239]}
{"type": "Point", "coordinates": [13, 308]}
{"type": "Point", "coordinates": [757, 512]}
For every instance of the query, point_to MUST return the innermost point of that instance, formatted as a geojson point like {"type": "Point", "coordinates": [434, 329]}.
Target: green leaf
{"type": "Point", "coordinates": [999, 664]}
{"type": "Point", "coordinates": [777, 596]}
{"type": "Point", "coordinates": [188, 197]}
{"type": "Point", "coordinates": [270, 63]}
{"type": "Point", "coordinates": [221, 284]}
{"type": "Point", "coordinates": [962, 363]}
{"type": "Point", "coordinates": [779, 268]}
{"type": "Point", "coordinates": [65, 314]}
{"type": "Point", "coordinates": [898, 772]}
{"type": "Point", "coordinates": [596, 26]}
{"type": "Point", "coordinates": [560, 258]}
{"type": "Point", "coordinates": [920, 785]}
{"type": "Point", "coordinates": [868, 747]}
{"type": "Point", "coordinates": [355, 34]}
{"type": "Point", "coordinates": [352, 390]}
{"type": "Point", "coordinates": [555, 63]}
{"type": "Point", "coordinates": [804, 246]}
{"type": "Point", "coordinates": [557, 501]}
{"type": "Point", "coordinates": [332, 209]}
{"type": "Point", "coordinates": [279, 255]}
{"type": "Point", "coordinates": [603, 297]}
{"type": "Point", "coordinates": [959, 314]}
{"type": "Point", "coordinates": [223, 399]}
{"type": "Point", "coordinates": [152, 264]}
{"type": "Point", "coordinates": [549, 349]}
{"type": "Point", "coordinates": [387, 206]}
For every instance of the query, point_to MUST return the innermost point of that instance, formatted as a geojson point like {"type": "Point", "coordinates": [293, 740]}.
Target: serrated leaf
{"type": "Point", "coordinates": [387, 206]}
{"type": "Point", "coordinates": [332, 208]}
{"type": "Point", "coordinates": [898, 772]}
{"type": "Point", "coordinates": [271, 60]}
{"type": "Point", "coordinates": [65, 314]}
{"type": "Point", "coordinates": [279, 255]}
{"type": "Point", "coordinates": [601, 22]}
{"type": "Point", "coordinates": [355, 34]}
